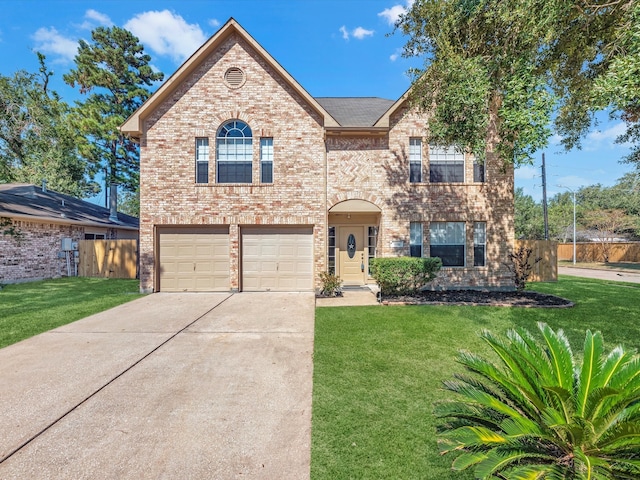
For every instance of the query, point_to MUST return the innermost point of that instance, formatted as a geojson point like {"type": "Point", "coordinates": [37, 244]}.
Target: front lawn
{"type": "Point", "coordinates": [27, 309]}
{"type": "Point", "coordinates": [378, 371]}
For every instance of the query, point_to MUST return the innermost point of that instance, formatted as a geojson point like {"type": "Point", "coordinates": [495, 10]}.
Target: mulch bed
{"type": "Point", "coordinates": [476, 297]}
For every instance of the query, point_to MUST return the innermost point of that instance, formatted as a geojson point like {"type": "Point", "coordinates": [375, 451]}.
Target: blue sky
{"type": "Point", "coordinates": [331, 47]}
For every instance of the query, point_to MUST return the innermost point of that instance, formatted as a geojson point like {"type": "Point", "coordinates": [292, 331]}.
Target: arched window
{"type": "Point", "coordinates": [234, 153]}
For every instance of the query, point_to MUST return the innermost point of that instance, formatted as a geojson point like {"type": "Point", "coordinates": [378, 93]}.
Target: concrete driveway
{"type": "Point", "coordinates": [171, 386]}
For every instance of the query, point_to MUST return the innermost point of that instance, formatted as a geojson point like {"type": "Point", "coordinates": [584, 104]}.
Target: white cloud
{"type": "Point", "coordinates": [572, 181]}
{"type": "Point", "coordinates": [166, 33]}
{"type": "Point", "coordinates": [605, 138]}
{"type": "Point", "coordinates": [48, 40]}
{"type": "Point", "coordinates": [358, 32]}
{"type": "Point", "coordinates": [361, 33]}
{"type": "Point", "coordinates": [391, 15]}
{"type": "Point", "coordinates": [214, 22]}
{"type": "Point", "coordinates": [395, 55]}
{"type": "Point", "coordinates": [97, 17]}
{"type": "Point", "coordinates": [526, 172]}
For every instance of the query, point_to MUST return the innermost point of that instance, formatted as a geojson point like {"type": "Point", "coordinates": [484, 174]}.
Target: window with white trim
{"type": "Point", "coordinates": [479, 244]}
{"type": "Point", "coordinates": [234, 154]}
{"type": "Point", "coordinates": [266, 160]}
{"type": "Point", "coordinates": [415, 160]}
{"type": "Point", "coordinates": [448, 241]}
{"type": "Point", "coordinates": [415, 239]}
{"type": "Point", "coordinates": [446, 164]}
{"type": "Point", "coordinates": [202, 160]}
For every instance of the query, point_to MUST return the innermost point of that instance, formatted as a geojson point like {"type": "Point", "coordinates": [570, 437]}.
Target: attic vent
{"type": "Point", "coordinates": [234, 77]}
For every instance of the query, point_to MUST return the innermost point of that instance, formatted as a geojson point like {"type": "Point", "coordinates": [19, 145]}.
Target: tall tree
{"type": "Point", "coordinates": [529, 223]}
{"type": "Point", "coordinates": [115, 73]}
{"type": "Point", "coordinates": [497, 70]}
{"type": "Point", "coordinates": [37, 141]}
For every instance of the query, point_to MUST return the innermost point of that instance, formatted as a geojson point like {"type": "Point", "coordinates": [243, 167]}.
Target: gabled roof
{"type": "Point", "coordinates": [133, 125]}
{"type": "Point", "coordinates": [28, 202]}
{"type": "Point", "coordinates": [356, 111]}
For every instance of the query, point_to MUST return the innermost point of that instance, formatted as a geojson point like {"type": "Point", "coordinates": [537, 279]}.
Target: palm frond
{"type": "Point", "coordinates": [497, 461]}
{"type": "Point", "coordinates": [467, 460]}
{"type": "Point", "coordinates": [591, 364]}
{"type": "Point", "coordinates": [623, 435]}
{"type": "Point", "coordinates": [560, 355]}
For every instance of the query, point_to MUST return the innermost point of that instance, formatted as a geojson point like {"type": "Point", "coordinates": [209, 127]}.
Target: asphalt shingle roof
{"type": "Point", "coordinates": [355, 111]}
{"type": "Point", "coordinates": [24, 199]}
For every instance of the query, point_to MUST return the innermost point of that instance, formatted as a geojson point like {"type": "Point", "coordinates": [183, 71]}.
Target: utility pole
{"type": "Point", "coordinates": [544, 200]}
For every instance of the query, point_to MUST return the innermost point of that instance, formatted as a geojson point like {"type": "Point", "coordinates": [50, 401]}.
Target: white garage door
{"type": "Point", "coordinates": [277, 259]}
{"type": "Point", "coordinates": [194, 260]}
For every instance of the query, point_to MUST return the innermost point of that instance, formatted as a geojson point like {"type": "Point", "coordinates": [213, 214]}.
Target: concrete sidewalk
{"type": "Point", "coordinates": [167, 386]}
{"type": "Point", "coordinates": [616, 276]}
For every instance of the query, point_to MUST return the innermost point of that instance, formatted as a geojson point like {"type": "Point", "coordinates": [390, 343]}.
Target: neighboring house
{"type": "Point", "coordinates": [39, 220]}
{"type": "Point", "coordinates": [250, 183]}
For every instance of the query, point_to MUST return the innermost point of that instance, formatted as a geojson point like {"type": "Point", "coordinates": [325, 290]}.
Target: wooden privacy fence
{"type": "Point", "coordinates": [546, 270]}
{"type": "Point", "coordinates": [592, 252]}
{"type": "Point", "coordinates": [108, 258]}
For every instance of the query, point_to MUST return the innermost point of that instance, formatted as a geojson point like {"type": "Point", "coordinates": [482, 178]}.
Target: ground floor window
{"type": "Point", "coordinates": [94, 236]}
{"type": "Point", "coordinates": [372, 241]}
{"type": "Point", "coordinates": [448, 243]}
{"type": "Point", "coordinates": [332, 251]}
{"type": "Point", "coordinates": [479, 244]}
{"type": "Point", "coordinates": [415, 239]}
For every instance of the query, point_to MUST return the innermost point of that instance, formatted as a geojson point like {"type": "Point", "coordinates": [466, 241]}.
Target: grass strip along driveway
{"type": "Point", "coordinates": [378, 372]}
{"type": "Point", "coordinates": [27, 309]}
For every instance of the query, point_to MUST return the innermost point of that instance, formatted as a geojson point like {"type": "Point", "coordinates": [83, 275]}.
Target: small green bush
{"type": "Point", "coordinates": [404, 275]}
{"type": "Point", "coordinates": [330, 285]}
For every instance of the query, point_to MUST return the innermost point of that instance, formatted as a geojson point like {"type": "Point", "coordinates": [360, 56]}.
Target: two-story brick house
{"type": "Point", "coordinates": [250, 183]}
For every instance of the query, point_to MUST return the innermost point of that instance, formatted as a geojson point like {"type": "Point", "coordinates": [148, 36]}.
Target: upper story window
{"type": "Point", "coordinates": [446, 164]}
{"type": "Point", "coordinates": [234, 153]}
{"type": "Point", "coordinates": [266, 160]}
{"type": "Point", "coordinates": [415, 160]}
{"type": "Point", "coordinates": [202, 160]}
{"type": "Point", "coordinates": [478, 172]}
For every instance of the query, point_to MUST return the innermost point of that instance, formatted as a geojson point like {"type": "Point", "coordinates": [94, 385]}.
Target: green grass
{"type": "Point", "coordinates": [27, 309]}
{"type": "Point", "coordinates": [378, 371]}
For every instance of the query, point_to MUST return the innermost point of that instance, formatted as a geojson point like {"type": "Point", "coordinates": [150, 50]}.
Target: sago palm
{"type": "Point", "coordinates": [541, 414]}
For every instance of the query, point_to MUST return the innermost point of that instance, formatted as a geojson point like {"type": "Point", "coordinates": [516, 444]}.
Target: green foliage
{"type": "Point", "coordinates": [542, 413]}
{"type": "Point", "coordinates": [37, 141]}
{"type": "Point", "coordinates": [403, 275]}
{"type": "Point", "coordinates": [115, 73]}
{"type": "Point", "coordinates": [378, 373]}
{"type": "Point", "coordinates": [497, 70]}
{"type": "Point", "coordinates": [529, 222]}
{"type": "Point", "coordinates": [129, 202]}
{"type": "Point", "coordinates": [330, 285]}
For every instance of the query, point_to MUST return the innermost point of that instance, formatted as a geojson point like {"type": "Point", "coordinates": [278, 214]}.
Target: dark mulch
{"type": "Point", "coordinates": [476, 297]}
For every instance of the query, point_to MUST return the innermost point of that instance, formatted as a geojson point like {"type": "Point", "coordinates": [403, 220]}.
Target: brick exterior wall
{"type": "Point", "coordinates": [311, 173]}
{"type": "Point", "coordinates": [376, 169]}
{"type": "Point", "coordinates": [35, 256]}
{"type": "Point", "coordinates": [272, 108]}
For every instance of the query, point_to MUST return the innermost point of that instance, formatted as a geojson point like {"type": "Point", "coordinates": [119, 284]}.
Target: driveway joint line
{"type": "Point", "coordinates": [90, 396]}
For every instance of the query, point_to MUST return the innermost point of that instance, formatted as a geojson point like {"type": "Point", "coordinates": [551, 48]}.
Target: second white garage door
{"type": "Point", "coordinates": [277, 259]}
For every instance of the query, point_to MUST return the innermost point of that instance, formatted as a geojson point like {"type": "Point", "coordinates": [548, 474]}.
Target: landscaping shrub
{"type": "Point", "coordinates": [543, 412]}
{"type": "Point", "coordinates": [403, 275]}
{"type": "Point", "coordinates": [522, 266]}
{"type": "Point", "coordinates": [330, 285]}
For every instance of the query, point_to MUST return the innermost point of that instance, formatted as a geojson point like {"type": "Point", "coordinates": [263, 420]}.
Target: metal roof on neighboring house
{"type": "Point", "coordinates": [355, 111]}
{"type": "Point", "coordinates": [25, 201]}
